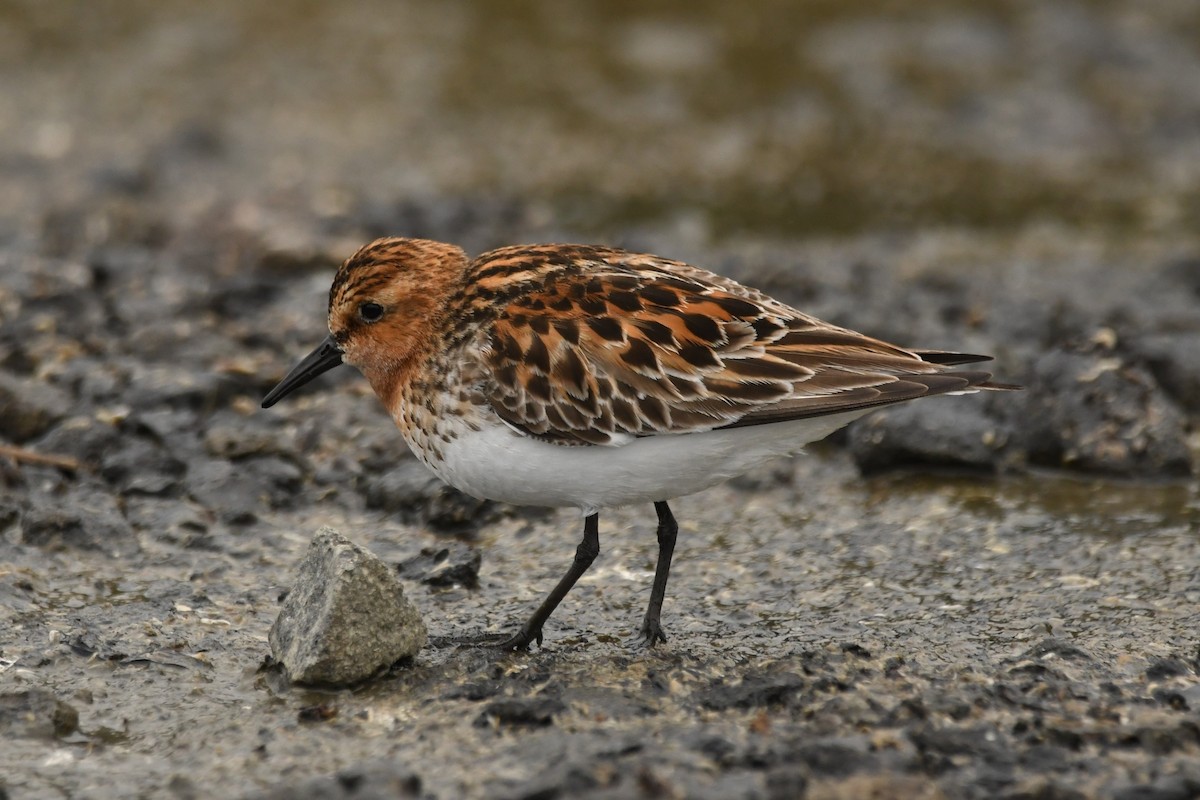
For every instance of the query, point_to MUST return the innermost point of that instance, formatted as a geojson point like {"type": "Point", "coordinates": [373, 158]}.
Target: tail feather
{"type": "Point", "coordinates": [949, 359]}
{"type": "Point", "coordinates": [1000, 387]}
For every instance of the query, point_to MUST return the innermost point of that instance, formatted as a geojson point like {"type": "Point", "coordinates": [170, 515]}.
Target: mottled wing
{"type": "Point", "coordinates": [596, 346]}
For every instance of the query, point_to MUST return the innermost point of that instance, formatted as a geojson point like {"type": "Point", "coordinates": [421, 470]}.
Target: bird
{"type": "Point", "coordinates": [586, 376]}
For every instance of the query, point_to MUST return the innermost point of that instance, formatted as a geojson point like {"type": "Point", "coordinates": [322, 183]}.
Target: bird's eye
{"type": "Point", "coordinates": [370, 312]}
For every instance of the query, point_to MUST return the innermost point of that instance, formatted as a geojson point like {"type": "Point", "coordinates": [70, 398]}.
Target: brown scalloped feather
{"type": "Point", "coordinates": [592, 345]}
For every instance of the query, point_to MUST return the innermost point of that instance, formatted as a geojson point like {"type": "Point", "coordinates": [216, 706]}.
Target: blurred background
{"type": "Point", "coordinates": [715, 120]}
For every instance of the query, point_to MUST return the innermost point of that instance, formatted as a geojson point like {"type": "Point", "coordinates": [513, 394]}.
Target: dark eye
{"type": "Point", "coordinates": [370, 312]}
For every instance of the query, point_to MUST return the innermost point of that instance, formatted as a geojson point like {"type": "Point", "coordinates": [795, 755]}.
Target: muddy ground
{"type": "Point", "coordinates": [986, 596]}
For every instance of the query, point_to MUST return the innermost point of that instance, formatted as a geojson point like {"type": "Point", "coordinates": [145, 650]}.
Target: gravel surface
{"type": "Point", "coordinates": [981, 596]}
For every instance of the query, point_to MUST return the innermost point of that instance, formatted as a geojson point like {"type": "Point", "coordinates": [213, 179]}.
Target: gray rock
{"type": "Point", "coordinates": [83, 437]}
{"type": "Point", "coordinates": [1168, 787]}
{"type": "Point", "coordinates": [78, 518]}
{"type": "Point", "coordinates": [223, 488]}
{"type": "Point", "coordinates": [141, 466]}
{"type": "Point", "coordinates": [155, 386]}
{"type": "Point", "coordinates": [1174, 358]}
{"type": "Point", "coordinates": [535, 712]}
{"type": "Point", "coordinates": [29, 407]}
{"type": "Point", "coordinates": [233, 436]}
{"type": "Point", "coordinates": [235, 491]}
{"type": "Point", "coordinates": [345, 618]}
{"type": "Point", "coordinates": [753, 692]}
{"type": "Point", "coordinates": [94, 380]}
{"type": "Point", "coordinates": [454, 564]}
{"type": "Point", "coordinates": [36, 714]}
{"type": "Point", "coordinates": [1096, 412]}
{"type": "Point", "coordinates": [955, 433]}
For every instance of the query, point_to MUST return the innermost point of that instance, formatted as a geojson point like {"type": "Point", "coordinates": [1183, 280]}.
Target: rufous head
{"type": "Point", "coordinates": [384, 304]}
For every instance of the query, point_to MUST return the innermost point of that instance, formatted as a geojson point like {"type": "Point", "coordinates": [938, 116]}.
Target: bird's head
{"type": "Point", "coordinates": [384, 305]}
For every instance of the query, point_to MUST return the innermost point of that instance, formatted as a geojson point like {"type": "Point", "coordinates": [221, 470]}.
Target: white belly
{"type": "Point", "coordinates": [498, 463]}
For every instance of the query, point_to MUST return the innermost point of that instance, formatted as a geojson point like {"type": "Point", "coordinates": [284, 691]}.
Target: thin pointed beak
{"type": "Point", "coordinates": [327, 356]}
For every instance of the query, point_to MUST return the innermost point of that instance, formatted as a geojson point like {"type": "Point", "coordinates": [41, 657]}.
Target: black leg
{"type": "Point", "coordinates": [652, 631]}
{"type": "Point", "coordinates": [585, 554]}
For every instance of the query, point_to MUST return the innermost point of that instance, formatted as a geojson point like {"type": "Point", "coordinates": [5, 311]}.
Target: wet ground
{"type": "Point", "coordinates": [987, 596]}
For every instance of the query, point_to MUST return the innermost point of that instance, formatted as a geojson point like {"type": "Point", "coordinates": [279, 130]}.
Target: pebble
{"type": "Point", "coordinates": [1174, 360]}
{"type": "Point", "coordinates": [455, 564]}
{"type": "Point", "coordinates": [954, 433]}
{"type": "Point", "coordinates": [532, 712]}
{"type": "Point", "coordinates": [345, 618]}
{"type": "Point", "coordinates": [1098, 412]}
{"type": "Point", "coordinates": [83, 517]}
{"type": "Point", "coordinates": [36, 714]}
{"type": "Point", "coordinates": [29, 407]}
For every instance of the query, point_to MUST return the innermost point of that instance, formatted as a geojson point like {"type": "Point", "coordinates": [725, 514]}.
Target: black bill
{"type": "Point", "coordinates": [327, 356]}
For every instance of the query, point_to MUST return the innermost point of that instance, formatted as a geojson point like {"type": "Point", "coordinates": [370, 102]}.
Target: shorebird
{"type": "Point", "coordinates": [587, 376]}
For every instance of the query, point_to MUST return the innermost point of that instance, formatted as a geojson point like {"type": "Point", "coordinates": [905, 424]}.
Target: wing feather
{"type": "Point", "coordinates": [596, 346]}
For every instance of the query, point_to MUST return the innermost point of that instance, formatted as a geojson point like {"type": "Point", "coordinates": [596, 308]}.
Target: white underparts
{"type": "Point", "coordinates": [499, 463]}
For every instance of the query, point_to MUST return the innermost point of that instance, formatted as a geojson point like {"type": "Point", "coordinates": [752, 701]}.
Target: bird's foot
{"type": "Point", "coordinates": [652, 632]}
{"type": "Point", "coordinates": [521, 639]}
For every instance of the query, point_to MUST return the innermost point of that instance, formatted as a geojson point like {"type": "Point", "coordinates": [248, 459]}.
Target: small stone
{"type": "Point", "coordinates": [955, 434]}
{"type": "Point", "coordinates": [141, 466]}
{"type": "Point", "coordinates": [86, 438]}
{"type": "Point", "coordinates": [153, 387]}
{"type": "Point", "coordinates": [1097, 412]}
{"type": "Point", "coordinates": [982, 741]}
{"type": "Point", "coordinates": [346, 616]}
{"type": "Point", "coordinates": [1169, 787]}
{"type": "Point", "coordinates": [233, 436]}
{"type": "Point", "coordinates": [535, 712]}
{"type": "Point", "coordinates": [1174, 359]}
{"type": "Point", "coordinates": [28, 407]}
{"type": "Point", "coordinates": [36, 714]}
{"type": "Point", "coordinates": [834, 756]}
{"type": "Point", "coordinates": [752, 692]}
{"type": "Point", "coordinates": [454, 564]}
{"type": "Point", "coordinates": [81, 517]}
{"type": "Point", "coordinates": [1051, 647]}
{"type": "Point", "coordinates": [1191, 697]}
{"type": "Point", "coordinates": [1162, 668]}
{"type": "Point", "coordinates": [786, 782]}
{"type": "Point", "coordinates": [235, 491]}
